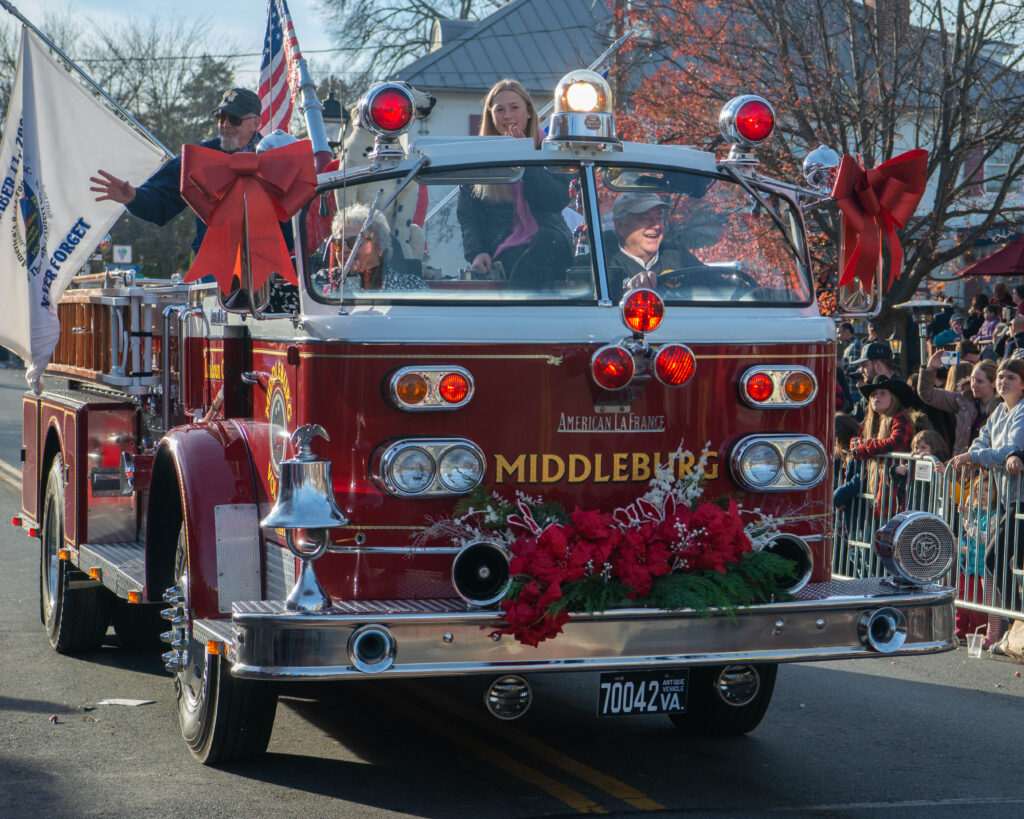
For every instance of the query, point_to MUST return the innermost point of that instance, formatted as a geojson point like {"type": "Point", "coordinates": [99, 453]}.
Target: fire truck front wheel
{"type": "Point", "coordinates": [223, 719]}
{"type": "Point", "coordinates": [727, 700]}
{"type": "Point", "coordinates": [74, 609]}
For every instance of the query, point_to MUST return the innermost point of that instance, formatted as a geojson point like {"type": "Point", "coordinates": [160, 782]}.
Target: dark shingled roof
{"type": "Point", "coordinates": [533, 41]}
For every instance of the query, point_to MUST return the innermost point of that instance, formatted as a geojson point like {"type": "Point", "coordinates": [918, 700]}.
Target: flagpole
{"type": "Point", "coordinates": [10, 8]}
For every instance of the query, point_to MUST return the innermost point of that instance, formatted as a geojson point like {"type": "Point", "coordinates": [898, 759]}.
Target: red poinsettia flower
{"type": "Point", "coordinates": [723, 540]}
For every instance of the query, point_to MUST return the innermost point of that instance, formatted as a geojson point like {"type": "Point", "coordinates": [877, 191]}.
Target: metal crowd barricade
{"type": "Point", "coordinates": [984, 508]}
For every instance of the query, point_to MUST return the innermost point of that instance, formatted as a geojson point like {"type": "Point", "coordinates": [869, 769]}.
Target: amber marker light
{"type": "Point", "coordinates": [453, 388]}
{"type": "Point", "coordinates": [612, 367]}
{"type": "Point", "coordinates": [799, 387]}
{"type": "Point", "coordinates": [411, 388]}
{"type": "Point", "coordinates": [760, 387]}
{"type": "Point", "coordinates": [643, 310]}
{"type": "Point", "coordinates": [674, 365]}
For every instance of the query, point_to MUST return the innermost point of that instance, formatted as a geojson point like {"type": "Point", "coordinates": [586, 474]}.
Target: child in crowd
{"type": "Point", "coordinates": [974, 518]}
{"type": "Point", "coordinates": [988, 327]}
{"type": "Point", "coordinates": [887, 428]}
{"type": "Point", "coordinates": [925, 444]}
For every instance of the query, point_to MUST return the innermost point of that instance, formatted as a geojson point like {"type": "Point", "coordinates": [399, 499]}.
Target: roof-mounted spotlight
{"type": "Point", "coordinates": [582, 112]}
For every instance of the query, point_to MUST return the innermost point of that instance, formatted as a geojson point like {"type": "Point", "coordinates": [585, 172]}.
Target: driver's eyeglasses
{"type": "Point", "coordinates": [349, 242]}
{"type": "Point", "coordinates": [231, 119]}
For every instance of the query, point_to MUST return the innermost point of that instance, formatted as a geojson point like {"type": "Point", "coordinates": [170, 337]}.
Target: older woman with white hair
{"type": "Point", "coordinates": [372, 262]}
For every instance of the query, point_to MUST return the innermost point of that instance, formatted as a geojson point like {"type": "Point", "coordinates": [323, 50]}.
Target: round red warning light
{"type": "Point", "coordinates": [454, 388]}
{"type": "Point", "coordinates": [755, 120]}
{"type": "Point", "coordinates": [612, 367]}
{"type": "Point", "coordinates": [674, 365]}
{"type": "Point", "coordinates": [643, 310]}
{"type": "Point", "coordinates": [391, 109]}
{"type": "Point", "coordinates": [760, 387]}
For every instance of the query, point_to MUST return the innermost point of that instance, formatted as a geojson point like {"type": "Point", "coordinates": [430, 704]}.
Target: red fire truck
{"type": "Point", "coordinates": [294, 491]}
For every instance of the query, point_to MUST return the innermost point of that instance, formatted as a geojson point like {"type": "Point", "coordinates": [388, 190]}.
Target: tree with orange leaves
{"type": "Point", "coordinates": [869, 79]}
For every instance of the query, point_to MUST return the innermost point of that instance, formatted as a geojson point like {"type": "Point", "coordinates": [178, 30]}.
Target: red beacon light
{"type": "Point", "coordinates": [747, 121]}
{"type": "Point", "coordinates": [674, 365]}
{"type": "Point", "coordinates": [642, 310]}
{"type": "Point", "coordinates": [612, 367]}
{"type": "Point", "coordinates": [386, 111]}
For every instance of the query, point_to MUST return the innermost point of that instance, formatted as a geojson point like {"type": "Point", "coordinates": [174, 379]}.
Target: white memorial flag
{"type": "Point", "coordinates": [55, 137]}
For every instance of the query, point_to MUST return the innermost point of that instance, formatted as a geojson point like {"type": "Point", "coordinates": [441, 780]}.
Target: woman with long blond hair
{"type": "Point", "coordinates": [519, 225]}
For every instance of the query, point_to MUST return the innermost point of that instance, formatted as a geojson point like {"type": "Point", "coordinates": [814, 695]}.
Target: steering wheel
{"type": "Point", "coordinates": [700, 275]}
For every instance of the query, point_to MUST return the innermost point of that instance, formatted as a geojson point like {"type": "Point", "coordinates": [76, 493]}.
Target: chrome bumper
{"type": "Point", "coordinates": [442, 637]}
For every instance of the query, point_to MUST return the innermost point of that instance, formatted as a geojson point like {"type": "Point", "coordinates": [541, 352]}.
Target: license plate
{"type": "Point", "coordinates": [629, 693]}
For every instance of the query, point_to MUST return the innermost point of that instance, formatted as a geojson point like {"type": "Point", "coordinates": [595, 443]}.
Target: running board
{"type": "Point", "coordinates": [121, 566]}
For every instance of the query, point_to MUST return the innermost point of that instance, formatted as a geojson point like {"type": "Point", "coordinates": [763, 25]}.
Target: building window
{"type": "Point", "coordinates": [474, 124]}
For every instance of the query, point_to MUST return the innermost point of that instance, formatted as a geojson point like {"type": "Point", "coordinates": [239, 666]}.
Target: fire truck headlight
{"type": "Point", "coordinates": [460, 469]}
{"type": "Point", "coordinates": [778, 463]}
{"type": "Point", "coordinates": [760, 464]}
{"type": "Point", "coordinates": [412, 470]}
{"type": "Point", "coordinates": [804, 463]}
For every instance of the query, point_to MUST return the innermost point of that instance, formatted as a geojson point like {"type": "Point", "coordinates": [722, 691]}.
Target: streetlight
{"type": "Point", "coordinates": [335, 119]}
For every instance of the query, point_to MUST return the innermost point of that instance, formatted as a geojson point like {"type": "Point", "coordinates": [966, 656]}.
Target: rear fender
{"type": "Point", "coordinates": [203, 475]}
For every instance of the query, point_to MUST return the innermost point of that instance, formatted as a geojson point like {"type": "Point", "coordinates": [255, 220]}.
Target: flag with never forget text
{"type": "Point", "coordinates": [56, 133]}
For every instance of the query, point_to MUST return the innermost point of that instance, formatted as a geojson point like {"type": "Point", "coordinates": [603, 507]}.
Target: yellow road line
{"type": "Point", "coordinates": [609, 784]}
{"type": "Point", "coordinates": [562, 792]}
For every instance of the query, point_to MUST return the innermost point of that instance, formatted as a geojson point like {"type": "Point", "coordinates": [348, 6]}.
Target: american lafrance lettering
{"type": "Point", "coordinates": [611, 423]}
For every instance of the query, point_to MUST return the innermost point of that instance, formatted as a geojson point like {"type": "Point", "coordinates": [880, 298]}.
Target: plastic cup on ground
{"type": "Point", "coordinates": [974, 643]}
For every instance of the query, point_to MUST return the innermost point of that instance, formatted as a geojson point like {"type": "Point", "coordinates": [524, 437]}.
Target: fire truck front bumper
{"type": "Point", "coordinates": [430, 638]}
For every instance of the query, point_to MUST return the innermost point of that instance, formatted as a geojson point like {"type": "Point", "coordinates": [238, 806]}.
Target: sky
{"type": "Point", "coordinates": [241, 21]}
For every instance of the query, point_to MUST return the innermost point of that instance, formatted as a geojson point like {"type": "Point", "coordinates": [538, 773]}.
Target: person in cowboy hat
{"type": "Point", "coordinates": [158, 199]}
{"type": "Point", "coordinates": [887, 427]}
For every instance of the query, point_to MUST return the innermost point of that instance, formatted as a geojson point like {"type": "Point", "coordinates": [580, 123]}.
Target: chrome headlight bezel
{"type": "Point", "coordinates": [782, 444]}
{"type": "Point", "coordinates": [383, 462]}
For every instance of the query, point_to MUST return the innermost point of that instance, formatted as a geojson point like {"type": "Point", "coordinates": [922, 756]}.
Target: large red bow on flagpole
{"type": "Point", "coordinates": [876, 203]}
{"type": "Point", "coordinates": [267, 188]}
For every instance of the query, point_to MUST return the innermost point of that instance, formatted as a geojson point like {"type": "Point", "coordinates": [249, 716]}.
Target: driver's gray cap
{"type": "Point", "coordinates": [636, 203]}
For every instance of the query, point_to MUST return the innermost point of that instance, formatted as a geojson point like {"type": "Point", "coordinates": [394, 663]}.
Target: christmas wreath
{"type": "Point", "coordinates": [665, 550]}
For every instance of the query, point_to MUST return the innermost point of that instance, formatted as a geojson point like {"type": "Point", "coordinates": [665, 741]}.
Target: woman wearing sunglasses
{"type": "Point", "coordinates": [371, 267]}
{"type": "Point", "coordinates": [158, 199]}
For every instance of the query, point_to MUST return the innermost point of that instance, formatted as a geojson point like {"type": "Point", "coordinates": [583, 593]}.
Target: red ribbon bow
{"type": "Point", "coordinates": [272, 185]}
{"type": "Point", "coordinates": [876, 203]}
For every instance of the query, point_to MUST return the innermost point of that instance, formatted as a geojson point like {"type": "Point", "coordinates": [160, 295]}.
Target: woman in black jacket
{"type": "Point", "coordinates": [520, 225]}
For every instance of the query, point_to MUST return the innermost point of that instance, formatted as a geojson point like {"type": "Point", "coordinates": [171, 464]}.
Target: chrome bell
{"type": "Point", "coordinates": [305, 500]}
{"type": "Point", "coordinates": [821, 166]}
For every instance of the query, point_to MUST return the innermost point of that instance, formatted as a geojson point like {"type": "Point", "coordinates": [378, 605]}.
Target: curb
{"type": "Point", "coordinates": [10, 475]}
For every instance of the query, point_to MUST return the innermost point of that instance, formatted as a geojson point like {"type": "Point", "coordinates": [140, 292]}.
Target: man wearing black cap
{"type": "Point", "coordinates": [876, 360]}
{"type": "Point", "coordinates": [158, 199]}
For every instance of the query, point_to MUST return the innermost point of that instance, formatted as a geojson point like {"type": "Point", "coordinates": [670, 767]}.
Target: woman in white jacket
{"type": "Point", "coordinates": [998, 447]}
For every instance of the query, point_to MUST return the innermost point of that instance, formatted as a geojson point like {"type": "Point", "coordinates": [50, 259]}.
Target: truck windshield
{"type": "Point", "coordinates": [528, 234]}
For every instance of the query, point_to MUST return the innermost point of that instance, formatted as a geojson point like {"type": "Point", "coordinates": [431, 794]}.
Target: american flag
{"type": "Point", "coordinates": [279, 78]}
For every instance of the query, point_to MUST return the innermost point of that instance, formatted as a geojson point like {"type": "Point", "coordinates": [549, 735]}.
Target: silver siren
{"type": "Point", "coordinates": [821, 166]}
{"type": "Point", "coordinates": [305, 500]}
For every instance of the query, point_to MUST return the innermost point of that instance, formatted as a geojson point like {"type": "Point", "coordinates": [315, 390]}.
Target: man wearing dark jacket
{"type": "Point", "coordinates": [158, 199]}
{"type": "Point", "coordinates": [640, 227]}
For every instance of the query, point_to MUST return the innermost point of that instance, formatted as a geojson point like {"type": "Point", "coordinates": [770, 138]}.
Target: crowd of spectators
{"type": "Point", "coordinates": [961, 404]}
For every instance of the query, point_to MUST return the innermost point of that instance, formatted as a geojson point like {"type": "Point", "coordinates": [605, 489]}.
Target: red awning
{"type": "Point", "coordinates": [1007, 261]}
